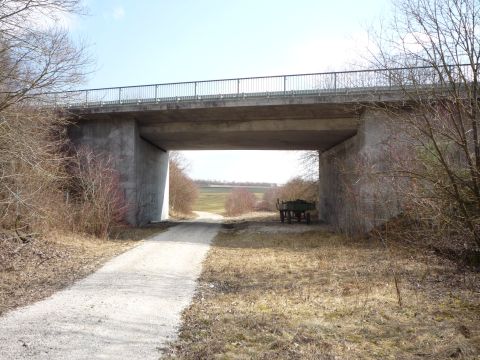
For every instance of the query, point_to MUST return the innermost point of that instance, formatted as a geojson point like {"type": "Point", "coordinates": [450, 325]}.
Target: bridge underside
{"type": "Point", "coordinates": [231, 126]}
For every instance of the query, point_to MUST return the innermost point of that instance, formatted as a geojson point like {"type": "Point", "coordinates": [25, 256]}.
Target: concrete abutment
{"type": "Point", "coordinates": [353, 140]}
{"type": "Point", "coordinates": [142, 166]}
{"type": "Point", "coordinates": [355, 191]}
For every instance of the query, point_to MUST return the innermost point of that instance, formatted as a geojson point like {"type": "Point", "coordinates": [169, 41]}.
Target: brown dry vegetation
{"type": "Point", "coordinates": [265, 294]}
{"type": "Point", "coordinates": [240, 201]}
{"type": "Point", "coordinates": [432, 51]}
{"type": "Point", "coordinates": [296, 188]}
{"type": "Point", "coordinates": [32, 271]}
{"type": "Point", "coordinates": [183, 192]}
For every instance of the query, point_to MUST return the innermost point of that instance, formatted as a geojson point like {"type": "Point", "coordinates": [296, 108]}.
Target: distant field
{"type": "Point", "coordinates": [212, 199]}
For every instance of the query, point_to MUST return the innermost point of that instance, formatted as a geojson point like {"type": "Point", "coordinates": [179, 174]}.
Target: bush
{"type": "Point", "coordinates": [41, 187]}
{"type": "Point", "coordinates": [34, 60]}
{"type": "Point", "coordinates": [240, 201]}
{"type": "Point", "coordinates": [97, 199]}
{"type": "Point", "coordinates": [183, 192]}
{"type": "Point", "coordinates": [32, 172]}
{"type": "Point", "coordinates": [269, 199]}
{"type": "Point", "coordinates": [298, 188]}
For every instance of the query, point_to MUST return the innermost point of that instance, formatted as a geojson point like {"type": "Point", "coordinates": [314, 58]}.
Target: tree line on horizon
{"type": "Point", "coordinates": [203, 183]}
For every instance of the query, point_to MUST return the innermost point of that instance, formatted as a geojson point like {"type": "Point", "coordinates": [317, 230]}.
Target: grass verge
{"type": "Point", "coordinates": [315, 295]}
{"type": "Point", "coordinates": [35, 270]}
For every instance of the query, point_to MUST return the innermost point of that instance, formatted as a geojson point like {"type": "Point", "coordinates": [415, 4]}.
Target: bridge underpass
{"type": "Point", "coordinates": [139, 130]}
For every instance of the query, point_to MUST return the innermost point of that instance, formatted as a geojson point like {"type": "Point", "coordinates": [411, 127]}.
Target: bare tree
{"type": "Point", "coordinates": [36, 56]}
{"type": "Point", "coordinates": [310, 163]}
{"type": "Point", "coordinates": [36, 53]}
{"type": "Point", "coordinates": [432, 48]}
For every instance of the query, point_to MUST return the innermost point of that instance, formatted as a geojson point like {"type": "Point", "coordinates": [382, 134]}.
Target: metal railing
{"type": "Point", "coordinates": [263, 86]}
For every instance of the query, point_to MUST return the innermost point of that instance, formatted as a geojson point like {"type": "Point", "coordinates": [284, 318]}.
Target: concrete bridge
{"type": "Point", "coordinates": [138, 125]}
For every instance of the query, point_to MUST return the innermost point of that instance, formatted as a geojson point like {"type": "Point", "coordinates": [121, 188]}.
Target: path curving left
{"type": "Point", "coordinates": [128, 309]}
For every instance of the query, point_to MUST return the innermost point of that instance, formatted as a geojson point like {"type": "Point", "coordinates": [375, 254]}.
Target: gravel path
{"type": "Point", "coordinates": [207, 216]}
{"type": "Point", "coordinates": [128, 309]}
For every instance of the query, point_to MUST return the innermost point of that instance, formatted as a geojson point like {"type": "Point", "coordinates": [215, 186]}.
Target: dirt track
{"type": "Point", "coordinates": [126, 310]}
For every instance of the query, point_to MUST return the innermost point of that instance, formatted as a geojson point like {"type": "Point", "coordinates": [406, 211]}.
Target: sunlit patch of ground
{"type": "Point", "coordinates": [270, 294]}
{"type": "Point", "coordinates": [32, 271]}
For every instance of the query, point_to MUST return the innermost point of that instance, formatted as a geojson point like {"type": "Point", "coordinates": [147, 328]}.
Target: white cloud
{"type": "Point", "coordinates": [118, 13]}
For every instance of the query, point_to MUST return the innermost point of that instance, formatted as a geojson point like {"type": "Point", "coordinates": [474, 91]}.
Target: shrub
{"type": "Point", "coordinates": [97, 199]}
{"type": "Point", "coordinates": [32, 172]}
{"type": "Point", "coordinates": [240, 201]}
{"type": "Point", "coordinates": [269, 199]}
{"type": "Point", "coordinates": [183, 192]}
{"type": "Point", "coordinates": [34, 60]}
{"type": "Point", "coordinates": [298, 188]}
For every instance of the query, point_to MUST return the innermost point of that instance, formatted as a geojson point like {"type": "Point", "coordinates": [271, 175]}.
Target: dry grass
{"type": "Point", "coordinates": [35, 270]}
{"type": "Point", "coordinates": [315, 295]}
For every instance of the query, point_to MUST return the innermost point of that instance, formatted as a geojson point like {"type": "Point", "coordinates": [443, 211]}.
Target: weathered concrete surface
{"type": "Point", "coordinates": [354, 196]}
{"type": "Point", "coordinates": [152, 169]}
{"type": "Point", "coordinates": [265, 134]}
{"type": "Point", "coordinates": [325, 100]}
{"type": "Point", "coordinates": [289, 124]}
{"type": "Point", "coordinates": [128, 309]}
{"type": "Point", "coordinates": [143, 168]}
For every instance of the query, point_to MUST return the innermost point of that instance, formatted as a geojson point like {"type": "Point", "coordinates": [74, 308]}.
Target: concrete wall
{"type": "Point", "coordinates": [143, 168]}
{"type": "Point", "coordinates": [356, 193]}
{"type": "Point", "coordinates": [152, 183]}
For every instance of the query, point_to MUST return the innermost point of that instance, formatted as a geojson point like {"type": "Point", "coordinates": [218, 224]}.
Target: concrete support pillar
{"type": "Point", "coordinates": [354, 196]}
{"type": "Point", "coordinates": [152, 182]}
{"type": "Point", "coordinates": [143, 167]}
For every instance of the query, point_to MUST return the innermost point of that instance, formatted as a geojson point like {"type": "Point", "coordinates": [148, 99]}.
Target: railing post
{"type": "Point", "coordinates": [86, 97]}
{"type": "Point", "coordinates": [335, 82]}
{"type": "Point", "coordinates": [195, 89]}
{"type": "Point", "coordinates": [120, 95]}
{"type": "Point", "coordinates": [238, 87]}
{"type": "Point", "coordinates": [156, 93]}
{"type": "Point", "coordinates": [284, 85]}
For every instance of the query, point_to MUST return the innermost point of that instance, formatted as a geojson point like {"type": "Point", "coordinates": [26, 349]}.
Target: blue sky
{"type": "Point", "coordinates": [147, 41]}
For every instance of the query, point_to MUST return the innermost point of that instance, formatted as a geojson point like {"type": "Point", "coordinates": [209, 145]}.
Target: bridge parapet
{"type": "Point", "coordinates": [315, 84]}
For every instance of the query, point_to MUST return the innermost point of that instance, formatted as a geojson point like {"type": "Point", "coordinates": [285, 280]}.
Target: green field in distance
{"type": "Point", "coordinates": [212, 199]}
